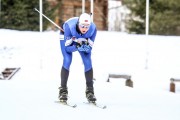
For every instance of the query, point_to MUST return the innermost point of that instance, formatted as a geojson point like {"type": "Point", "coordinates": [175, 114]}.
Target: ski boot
{"type": "Point", "coordinates": [90, 95]}
{"type": "Point", "coordinates": [63, 94]}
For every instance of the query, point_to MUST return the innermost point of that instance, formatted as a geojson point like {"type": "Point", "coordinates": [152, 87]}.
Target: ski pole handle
{"type": "Point", "coordinates": [49, 19]}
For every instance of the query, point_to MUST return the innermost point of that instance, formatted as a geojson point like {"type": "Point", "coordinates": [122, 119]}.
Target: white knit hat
{"type": "Point", "coordinates": [85, 18]}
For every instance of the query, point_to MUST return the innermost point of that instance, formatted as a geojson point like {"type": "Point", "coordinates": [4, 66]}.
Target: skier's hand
{"type": "Point", "coordinates": [78, 45]}
{"type": "Point", "coordinates": [87, 48]}
{"type": "Point", "coordinates": [81, 48]}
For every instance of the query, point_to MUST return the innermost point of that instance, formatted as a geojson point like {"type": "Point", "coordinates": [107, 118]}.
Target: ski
{"type": "Point", "coordinates": [96, 105]}
{"type": "Point", "coordinates": [88, 103]}
{"type": "Point", "coordinates": [66, 103]}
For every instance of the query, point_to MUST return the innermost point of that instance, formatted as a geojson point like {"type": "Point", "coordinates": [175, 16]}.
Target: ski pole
{"type": "Point", "coordinates": [49, 19]}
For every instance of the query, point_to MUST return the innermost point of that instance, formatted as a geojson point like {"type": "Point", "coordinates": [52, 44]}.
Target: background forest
{"type": "Point", "coordinates": [164, 15]}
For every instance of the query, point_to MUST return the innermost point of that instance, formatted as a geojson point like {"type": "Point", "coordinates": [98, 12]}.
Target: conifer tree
{"type": "Point", "coordinates": [164, 16]}
{"type": "Point", "coordinates": [20, 14]}
{"type": "Point", "coordinates": [136, 21]}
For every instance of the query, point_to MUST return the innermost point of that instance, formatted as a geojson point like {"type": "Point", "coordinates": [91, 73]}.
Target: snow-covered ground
{"type": "Point", "coordinates": [32, 92]}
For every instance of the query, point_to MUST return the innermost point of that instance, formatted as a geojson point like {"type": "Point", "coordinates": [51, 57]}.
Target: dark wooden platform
{"type": "Point", "coordinates": [8, 73]}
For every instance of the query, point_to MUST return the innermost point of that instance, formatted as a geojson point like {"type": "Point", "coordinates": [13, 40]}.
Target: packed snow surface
{"type": "Point", "coordinates": [31, 94]}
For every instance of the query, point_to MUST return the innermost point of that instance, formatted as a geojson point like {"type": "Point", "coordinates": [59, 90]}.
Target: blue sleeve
{"type": "Point", "coordinates": [67, 32]}
{"type": "Point", "coordinates": [94, 35]}
{"type": "Point", "coordinates": [67, 36]}
{"type": "Point", "coordinates": [92, 38]}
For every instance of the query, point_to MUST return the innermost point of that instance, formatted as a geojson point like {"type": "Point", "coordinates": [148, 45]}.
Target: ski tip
{"type": "Point", "coordinates": [66, 103]}
{"type": "Point", "coordinates": [97, 105]}
{"type": "Point", "coordinates": [74, 106]}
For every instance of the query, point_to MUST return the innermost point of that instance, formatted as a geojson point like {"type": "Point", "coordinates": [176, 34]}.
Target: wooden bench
{"type": "Point", "coordinates": [172, 84]}
{"type": "Point", "coordinates": [128, 82]}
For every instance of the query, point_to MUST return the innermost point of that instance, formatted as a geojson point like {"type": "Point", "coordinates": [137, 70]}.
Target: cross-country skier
{"type": "Point", "coordinates": [79, 35]}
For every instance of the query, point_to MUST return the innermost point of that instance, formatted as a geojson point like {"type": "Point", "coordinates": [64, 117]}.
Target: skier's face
{"type": "Point", "coordinates": [84, 28]}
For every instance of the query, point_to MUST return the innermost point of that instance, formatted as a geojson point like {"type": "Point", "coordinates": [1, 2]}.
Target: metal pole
{"type": "Point", "coordinates": [92, 9]}
{"type": "Point", "coordinates": [147, 33]}
{"type": "Point", "coordinates": [83, 6]}
{"type": "Point", "coordinates": [147, 17]}
{"type": "Point", "coordinates": [0, 10]}
{"type": "Point", "coordinates": [49, 19]}
{"type": "Point", "coordinates": [40, 16]}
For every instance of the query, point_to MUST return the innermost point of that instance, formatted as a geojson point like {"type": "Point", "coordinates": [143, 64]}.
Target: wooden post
{"type": "Point", "coordinates": [129, 83]}
{"type": "Point", "coordinates": [172, 87]}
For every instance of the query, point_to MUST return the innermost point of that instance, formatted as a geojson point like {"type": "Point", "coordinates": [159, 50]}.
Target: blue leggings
{"type": "Point", "coordinates": [67, 58]}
